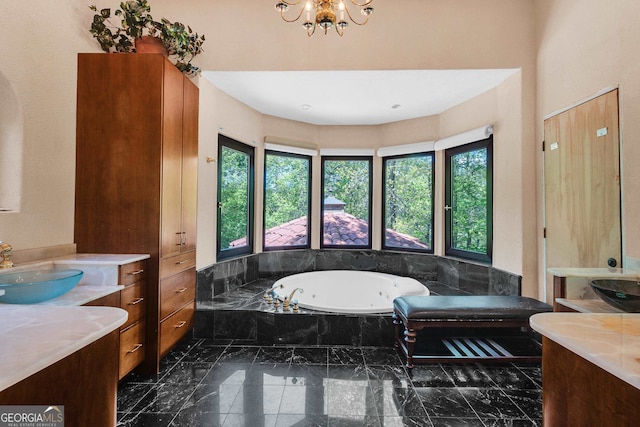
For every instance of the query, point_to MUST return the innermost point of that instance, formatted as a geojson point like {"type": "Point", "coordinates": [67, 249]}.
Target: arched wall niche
{"type": "Point", "coordinates": [11, 148]}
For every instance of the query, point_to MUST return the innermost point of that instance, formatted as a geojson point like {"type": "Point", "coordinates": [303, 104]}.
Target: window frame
{"type": "Point", "coordinates": [449, 153]}
{"type": "Point", "coordinates": [225, 141]}
{"type": "Point", "coordinates": [266, 248]}
{"type": "Point", "coordinates": [369, 160]}
{"type": "Point", "coordinates": [384, 245]}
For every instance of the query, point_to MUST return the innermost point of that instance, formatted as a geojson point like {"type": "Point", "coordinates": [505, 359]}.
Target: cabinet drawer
{"type": "Point", "coordinates": [131, 348]}
{"type": "Point", "coordinates": [132, 300]}
{"type": "Point", "coordinates": [133, 272]}
{"type": "Point", "coordinates": [176, 291]}
{"type": "Point", "coordinates": [175, 327]}
{"type": "Point", "coordinates": [175, 264]}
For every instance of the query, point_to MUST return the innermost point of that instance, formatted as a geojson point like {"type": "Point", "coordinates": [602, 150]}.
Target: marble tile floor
{"type": "Point", "coordinates": [209, 383]}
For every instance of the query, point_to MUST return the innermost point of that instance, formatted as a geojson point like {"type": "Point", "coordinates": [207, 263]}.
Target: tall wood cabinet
{"type": "Point", "coordinates": [136, 180]}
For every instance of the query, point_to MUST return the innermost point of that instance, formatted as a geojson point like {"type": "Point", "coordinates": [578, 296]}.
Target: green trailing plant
{"type": "Point", "coordinates": [136, 21]}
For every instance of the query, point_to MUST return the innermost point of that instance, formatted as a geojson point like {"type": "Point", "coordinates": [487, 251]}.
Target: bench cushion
{"type": "Point", "coordinates": [468, 307]}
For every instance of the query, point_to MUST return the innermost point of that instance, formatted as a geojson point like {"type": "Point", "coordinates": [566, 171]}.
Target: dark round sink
{"type": "Point", "coordinates": [619, 293]}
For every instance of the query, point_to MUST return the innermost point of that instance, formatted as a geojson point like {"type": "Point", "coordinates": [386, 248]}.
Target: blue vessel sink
{"type": "Point", "coordinates": [619, 293]}
{"type": "Point", "coordinates": [34, 286]}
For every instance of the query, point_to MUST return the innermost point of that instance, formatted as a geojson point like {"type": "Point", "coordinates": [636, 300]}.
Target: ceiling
{"type": "Point", "coordinates": [355, 97]}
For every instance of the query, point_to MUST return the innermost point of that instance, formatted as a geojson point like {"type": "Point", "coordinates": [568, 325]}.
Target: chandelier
{"type": "Point", "coordinates": [325, 13]}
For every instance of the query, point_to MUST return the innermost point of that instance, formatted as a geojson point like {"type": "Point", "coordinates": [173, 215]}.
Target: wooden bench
{"type": "Point", "coordinates": [414, 313]}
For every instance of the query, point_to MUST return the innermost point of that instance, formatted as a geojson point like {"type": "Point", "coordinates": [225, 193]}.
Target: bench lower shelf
{"type": "Point", "coordinates": [473, 349]}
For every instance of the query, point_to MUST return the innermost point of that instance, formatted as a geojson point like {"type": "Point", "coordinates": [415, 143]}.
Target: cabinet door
{"type": "Point", "coordinates": [172, 162]}
{"type": "Point", "coordinates": [189, 165]}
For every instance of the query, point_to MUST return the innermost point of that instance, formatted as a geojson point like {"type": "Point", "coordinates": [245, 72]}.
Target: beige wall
{"type": "Point", "coordinates": [219, 113]}
{"type": "Point", "coordinates": [41, 41]}
{"type": "Point", "coordinates": [585, 46]}
{"type": "Point", "coordinates": [501, 107]}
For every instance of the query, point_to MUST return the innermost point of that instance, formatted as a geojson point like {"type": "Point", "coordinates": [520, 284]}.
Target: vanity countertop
{"type": "Point", "coordinates": [594, 273]}
{"type": "Point", "coordinates": [588, 305]}
{"type": "Point", "coordinates": [100, 275]}
{"type": "Point", "coordinates": [34, 337]}
{"type": "Point", "coordinates": [79, 295]}
{"type": "Point", "coordinates": [608, 340]}
{"type": "Point", "coordinates": [99, 259]}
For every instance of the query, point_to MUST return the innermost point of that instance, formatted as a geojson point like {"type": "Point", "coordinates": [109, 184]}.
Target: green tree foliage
{"type": "Point", "coordinates": [348, 180]}
{"type": "Point", "coordinates": [234, 195]}
{"type": "Point", "coordinates": [469, 201]}
{"type": "Point", "coordinates": [286, 189]}
{"type": "Point", "coordinates": [409, 196]}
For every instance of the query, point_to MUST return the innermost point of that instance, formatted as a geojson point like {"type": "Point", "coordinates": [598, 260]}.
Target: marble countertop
{"type": "Point", "coordinates": [100, 276]}
{"type": "Point", "coordinates": [34, 337]}
{"type": "Point", "coordinates": [608, 340]}
{"type": "Point", "coordinates": [79, 295]}
{"type": "Point", "coordinates": [588, 305]}
{"type": "Point", "coordinates": [99, 259]}
{"type": "Point", "coordinates": [593, 273]}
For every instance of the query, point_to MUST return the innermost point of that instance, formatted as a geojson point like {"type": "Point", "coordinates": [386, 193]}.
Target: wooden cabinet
{"type": "Point", "coordinates": [84, 382]}
{"type": "Point", "coordinates": [131, 299]}
{"type": "Point", "coordinates": [575, 392]}
{"type": "Point", "coordinates": [136, 174]}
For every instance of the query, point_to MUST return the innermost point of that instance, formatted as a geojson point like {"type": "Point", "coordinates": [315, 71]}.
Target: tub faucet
{"type": "Point", "coordinates": [270, 294]}
{"type": "Point", "coordinates": [287, 300]}
{"type": "Point", "coordinates": [5, 253]}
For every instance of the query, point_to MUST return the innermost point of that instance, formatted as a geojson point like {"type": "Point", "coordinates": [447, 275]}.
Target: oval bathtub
{"type": "Point", "coordinates": [348, 291]}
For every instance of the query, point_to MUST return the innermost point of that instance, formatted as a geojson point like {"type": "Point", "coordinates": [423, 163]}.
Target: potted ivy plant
{"type": "Point", "coordinates": [137, 29]}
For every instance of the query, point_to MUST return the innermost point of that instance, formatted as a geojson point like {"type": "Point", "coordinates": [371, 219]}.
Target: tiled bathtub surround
{"type": "Point", "coordinates": [230, 306]}
{"type": "Point", "coordinates": [461, 277]}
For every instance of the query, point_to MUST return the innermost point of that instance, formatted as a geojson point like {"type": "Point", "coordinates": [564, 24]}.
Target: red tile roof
{"type": "Point", "coordinates": [339, 229]}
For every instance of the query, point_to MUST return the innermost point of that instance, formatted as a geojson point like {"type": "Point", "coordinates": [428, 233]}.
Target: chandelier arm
{"type": "Point", "coordinates": [295, 3]}
{"type": "Point", "coordinates": [292, 20]}
{"type": "Point", "coordinates": [366, 19]}
{"type": "Point", "coordinates": [311, 31]}
{"type": "Point", "coordinates": [339, 31]}
{"type": "Point", "coordinates": [355, 3]}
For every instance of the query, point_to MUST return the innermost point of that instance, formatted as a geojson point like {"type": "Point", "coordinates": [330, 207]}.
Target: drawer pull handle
{"type": "Point", "coordinates": [181, 290]}
{"type": "Point", "coordinates": [136, 301]}
{"type": "Point", "coordinates": [181, 324]}
{"type": "Point", "coordinates": [184, 261]}
{"type": "Point", "coordinates": [136, 348]}
{"type": "Point", "coordinates": [135, 273]}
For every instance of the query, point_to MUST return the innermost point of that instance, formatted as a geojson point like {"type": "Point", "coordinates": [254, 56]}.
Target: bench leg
{"type": "Point", "coordinates": [410, 341]}
{"type": "Point", "coordinates": [396, 327]}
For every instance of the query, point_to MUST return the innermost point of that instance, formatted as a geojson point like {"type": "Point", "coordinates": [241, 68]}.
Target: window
{"type": "Point", "coordinates": [287, 200]}
{"type": "Point", "coordinates": [469, 200]}
{"type": "Point", "coordinates": [408, 202]}
{"type": "Point", "coordinates": [346, 202]}
{"type": "Point", "coordinates": [235, 198]}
